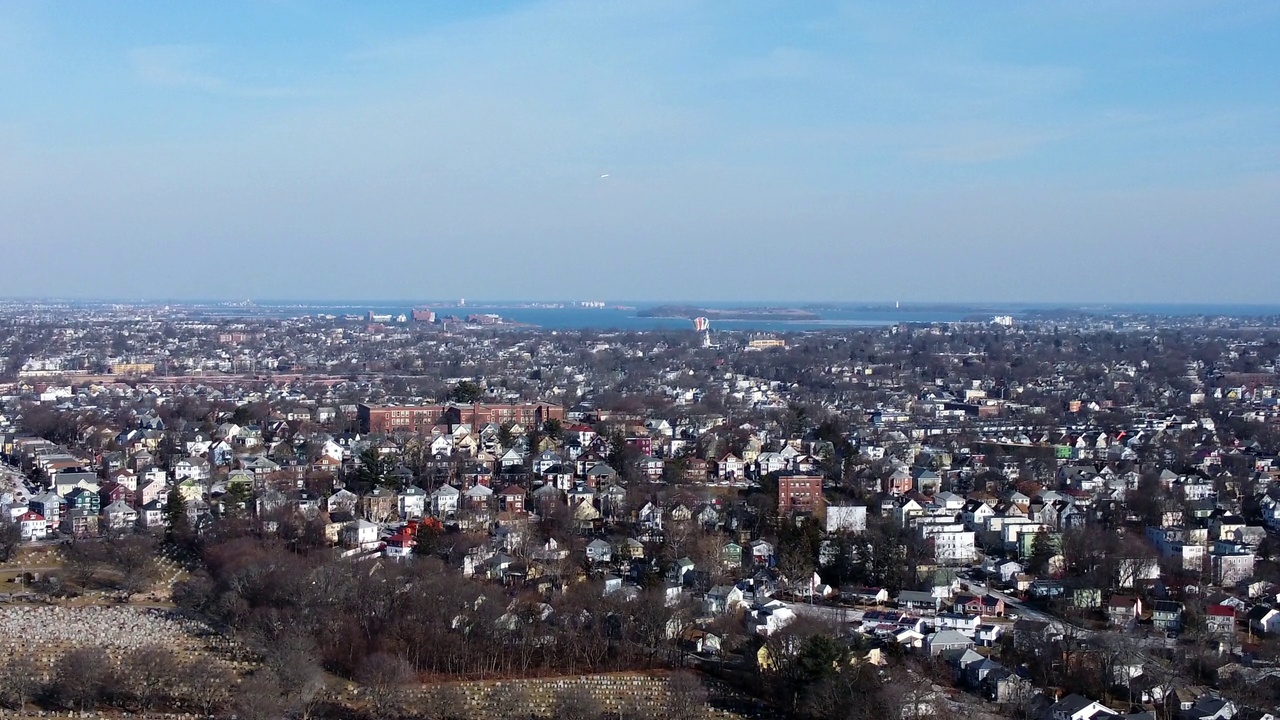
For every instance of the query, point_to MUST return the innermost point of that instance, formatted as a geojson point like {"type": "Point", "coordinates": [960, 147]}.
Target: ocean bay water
{"type": "Point", "coordinates": [831, 316]}
{"type": "Point", "coordinates": [614, 318]}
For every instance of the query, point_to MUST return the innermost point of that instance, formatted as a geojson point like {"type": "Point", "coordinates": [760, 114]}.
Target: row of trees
{"type": "Point", "coordinates": [141, 680]}
{"type": "Point", "coordinates": [814, 670]}
{"type": "Point", "coordinates": [423, 613]}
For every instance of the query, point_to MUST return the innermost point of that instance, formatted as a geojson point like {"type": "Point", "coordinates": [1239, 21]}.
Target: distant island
{"type": "Point", "coordinates": [749, 313]}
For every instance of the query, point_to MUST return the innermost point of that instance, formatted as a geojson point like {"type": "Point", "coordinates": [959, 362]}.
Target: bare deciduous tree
{"type": "Point", "coordinates": [133, 558]}
{"type": "Point", "coordinates": [384, 677]}
{"type": "Point", "coordinates": [577, 703]}
{"type": "Point", "coordinates": [147, 674]}
{"type": "Point", "coordinates": [19, 681]}
{"type": "Point", "coordinates": [446, 703]}
{"type": "Point", "coordinates": [206, 686]}
{"type": "Point", "coordinates": [294, 658]}
{"type": "Point", "coordinates": [686, 696]}
{"type": "Point", "coordinates": [509, 701]}
{"type": "Point", "coordinates": [80, 677]}
{"type": "Point", "coordinates": [259, 698]}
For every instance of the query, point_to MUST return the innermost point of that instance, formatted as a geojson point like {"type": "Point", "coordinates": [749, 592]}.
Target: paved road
{"type": "Point", "coordinates": [1015, 605]}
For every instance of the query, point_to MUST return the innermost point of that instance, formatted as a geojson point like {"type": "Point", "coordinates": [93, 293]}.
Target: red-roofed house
{"type": "Point", "coordinates": [984, 605]}
{"type": "Point", "coordinates": [1123, 609]}
{"type": "Point", "coordinates": [1220, 619]}
{"type": "Point", "coordinates": [33, 526]}
{"type": "Point", "coordinates": [584, 433]}
{"type": "Point", "coordinates": [400, 545]}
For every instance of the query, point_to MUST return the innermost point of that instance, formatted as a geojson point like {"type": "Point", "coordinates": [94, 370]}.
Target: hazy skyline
{"type": "Point", "coordinates": [1039, 152]}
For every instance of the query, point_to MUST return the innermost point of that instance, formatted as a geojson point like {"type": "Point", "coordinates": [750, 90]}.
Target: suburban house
{"type": "Point", "coordinates": [731, 555]}
{"type": "Point", "coordinates": [1123, 609]}
{"type": "Point", "coordinates": [1220, 619]}
{"type": "Point", "coordinates": [119, 516]}
{"type": "Point", "coordinates": [341, 501]}
{"type": "Point", "coordinates": [761, 552]}
{"type": "Point", "coordinates": [399, 545]}
{"type": "Point", "coordinates": [945, 640]}
{"type": "Point", "coordinates": [679, 568]}
{"type": "Point", "coordinates": [918, 600]}
{"type": "Point", "coordinates": [723, 598]}
{"type": "Point", "coordinates": [1078, 707]}
{"type": "Point", "coordinates": [1167, 615]}
{"type": "Point", "coordinates": [33, 526]}
{"type": "Point", "coordinates": [599, 551]}
{"type": "Point", "coordinates": [412, 502]}
{"type": "Point", "coordinates": [984, 605]}
{"type": "Point", "coordinates": [444, 501]}
{"type": "Point", "coordinates": [360, 534]}
{"type": "Point", "coordinates": [1263, 619]}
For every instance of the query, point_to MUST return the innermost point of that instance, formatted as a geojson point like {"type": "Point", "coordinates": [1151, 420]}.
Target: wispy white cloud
{"type": "Point", "coordinates": [185, 67]}
{"type": "Point", "coordinates": [975, 146]}
{"type": "Point", "coordinates": [177, 66]}
{"type": "Point", "coordinates": [873, 137]}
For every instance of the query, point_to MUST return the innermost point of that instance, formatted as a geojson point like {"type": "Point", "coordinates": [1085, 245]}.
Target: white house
{"type": "Point", "coordinates": [723, 598]}
{"type": "Point", "coordinates": [545, 461]}
{"type": "Point", "coordinates": [770, 616]}
{"type": "Point", "coordinates": [194, 468]}
{"type": "Point", "coordinates": [342, 501]}
{"type": "Point", "coordinates": [952, 544]}
{"type": "Point", "coordinates": [1264, 619]}
{"type": "Point", "coordinates": [33, 526]}
{"type": "Point", "coordinates": [119, 516]}
{"type": "Point", "coordinates": [444, 500]}
{"type": "Point", "coordinates": [599, 551]}
{"type": "Point", "coordinates": [1078, 707]}
{"type": "Point", "coordinates": [151, 515]}
{"type": "Point", "coordinates": [413, 502]}
{"type": "Point", "coordinates": [360, 534]}
{"type": "Point", "coordinates": [966, 625]}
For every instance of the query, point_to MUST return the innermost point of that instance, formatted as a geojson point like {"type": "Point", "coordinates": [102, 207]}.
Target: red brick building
{"type": "Point", "coordinates": [511, 500]}
{"type": "Point", "coordinates": [799, 493]}
{"type": "Point", "coordinates": [421, 418]}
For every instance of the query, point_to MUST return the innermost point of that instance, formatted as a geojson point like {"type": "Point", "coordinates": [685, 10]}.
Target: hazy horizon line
{"type": "Point", "coordinates": [333, 302]}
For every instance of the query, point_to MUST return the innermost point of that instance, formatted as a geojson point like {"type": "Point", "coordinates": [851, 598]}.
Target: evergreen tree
{"type": "Point", "coordinates": [466, 392]}
{"type": "Point", "coordinates": [505, 436]}
{"type": "Point", "coordinates": [1043, 549]}
{"type": "Point", "coordinates": [553, 429]}
{"type": "Point", "coordinates": [426, 541]}
{"type": "Point", "coordinates": [238, 502]}
{"type": "Point", "coordinates": [375, 469]}
{"type": "Point", "coordinates": [175, 516]}
{"type": "Point", "coordinates": [10, 539]}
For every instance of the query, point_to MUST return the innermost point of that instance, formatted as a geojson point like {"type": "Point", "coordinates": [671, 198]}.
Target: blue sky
{"type": "Point", "coordinates": [1046, 151]}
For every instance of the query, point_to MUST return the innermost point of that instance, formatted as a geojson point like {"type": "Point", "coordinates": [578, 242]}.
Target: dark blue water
{"type": "Point", "coordinates": [608, 318]}
{"type": "Point", "coordinates": [833, 316]}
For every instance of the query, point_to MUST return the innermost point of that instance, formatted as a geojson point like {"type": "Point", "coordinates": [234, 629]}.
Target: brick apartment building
{"type": "Point", "coordinates": [421, 418]}
{"type": "Point", "coordinates": [799, 494]}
